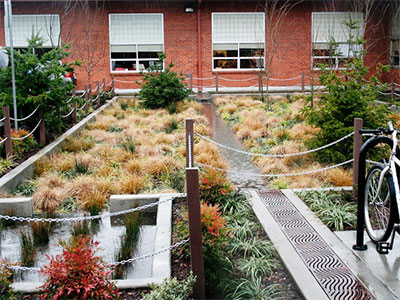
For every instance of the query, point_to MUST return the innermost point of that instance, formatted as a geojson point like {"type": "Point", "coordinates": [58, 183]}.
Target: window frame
{"type": "Point", "coordinates": [336, 58]}
{"type": "Point", "coordinates": [136, 45]}
{"type": "Point", "coordinates": [238, 58]}
{"type": "Point", "coordinates": [394, 39]}
{"type": "Point", "coordinates": [25, 46]}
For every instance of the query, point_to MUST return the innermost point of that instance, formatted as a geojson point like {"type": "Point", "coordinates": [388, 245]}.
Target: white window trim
{"type": "Point", "coordinates": [336, 57]}
{"type": "Point", "coordinates": [7, 33]}
{"type": "Point", "coordinates": [238, 58]}
{"type": "Point", "coordinates": [137, 45]}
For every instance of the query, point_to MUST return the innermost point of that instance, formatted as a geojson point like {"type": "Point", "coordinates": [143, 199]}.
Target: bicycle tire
{"type": "Point", "coordinates": [381, 211]}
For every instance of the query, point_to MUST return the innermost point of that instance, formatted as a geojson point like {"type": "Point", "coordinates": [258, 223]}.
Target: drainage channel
{"type": "Point", "coordinates": [221, 133]}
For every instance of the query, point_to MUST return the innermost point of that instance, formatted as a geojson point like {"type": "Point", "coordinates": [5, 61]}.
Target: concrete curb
{"type": "Point", "coordinates": [26, 169]}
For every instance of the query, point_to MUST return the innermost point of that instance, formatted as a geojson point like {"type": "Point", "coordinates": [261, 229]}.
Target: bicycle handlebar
{"type": "Point", "coordinates": [380, 130]}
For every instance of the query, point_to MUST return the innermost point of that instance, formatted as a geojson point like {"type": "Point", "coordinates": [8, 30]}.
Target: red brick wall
{"type": "Point", "coordinates": [292, 56]}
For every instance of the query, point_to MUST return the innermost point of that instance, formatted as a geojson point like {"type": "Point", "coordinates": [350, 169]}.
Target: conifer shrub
{"type": "Point", "coordinates": [162, 89]}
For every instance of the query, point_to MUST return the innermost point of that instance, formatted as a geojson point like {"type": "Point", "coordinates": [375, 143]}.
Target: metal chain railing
{"type": "Point", "coordinates": [274, 155]}
{"type": "Point", "coordinates": [82, 107]}
{"type": "Point", "coordinates": [134, 259]}
{"type": "Point", "coordinates": [228, 79]}
{"type": "Point", "coordinates": [2, 120]}
{"type": "Point", "coordinates": [26, 118]}
{"type": "Point", "coordinates": [88, 218]}
{"type": "Point", "coordinates": [109, 265]}
{"type": "Point", "coordinates": [282, 79]}
{"type": "Point", "coordinates": [70, 99]}
{"type": "Point", "coordinates": [28, 135]}
{"type": "Point", "coordinates": [2, 141]}
{"type": "Point", "coordinates": [277, 175]}
{"type": "Point", "coordinates": [68, 114]}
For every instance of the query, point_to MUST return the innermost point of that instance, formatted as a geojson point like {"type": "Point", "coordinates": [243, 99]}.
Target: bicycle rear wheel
{"type": "Point", "coordinates": [379, 205]}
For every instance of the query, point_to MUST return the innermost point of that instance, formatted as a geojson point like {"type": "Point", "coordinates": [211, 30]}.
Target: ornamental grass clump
{"type": "Point", "coordinates": [40, 232]}
{"type": "Point", "coordinates": [78, 274]}
{"type": "Point", "coordinates": [28, 250]}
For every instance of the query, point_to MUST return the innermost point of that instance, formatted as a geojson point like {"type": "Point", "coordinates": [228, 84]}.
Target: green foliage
{"type": "Point", "coordinates": [128, 145]}
{"type": "Point", "coordinates": [332, 208]}
{"type": "Point", "coordinates": [25, 187]}
{"type": "Point", "coordinates": [350, 94]}
{"type": "Point", "coordinates": [253, 289]}
{"type": "Point", "coordinates": [171, 289]}
{"type": "Point", "coordinates": [161, 89]}
{"type": "Point", "coordinates": [80, 228]}
{"type": "Point", "coordinates": [6, 164]}
{"type": "Point", "coordinates": [39, 81]}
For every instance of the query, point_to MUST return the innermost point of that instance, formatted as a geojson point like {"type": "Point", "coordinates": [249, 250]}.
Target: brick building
{"type": "Point", "coordinates": [233, 39]}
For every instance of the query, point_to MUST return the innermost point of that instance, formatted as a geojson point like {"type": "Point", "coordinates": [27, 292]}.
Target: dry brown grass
{"type": "Point", "coordinates": [303, 131]}
{"type": "Point", "coordinates": [133, 166]}
{"type": "Point", "coordinates": [219, 101]}
{"type": "Point", "coordinates": [270, 165]}
{"type": "Point", "coordinates": [42, 166]}
{"type": "Point", "coordinates": [158, 164]}
{"type": "Point", "coordinates": [48, 199]}
{"type": "Point", "coordinates": [339, 177]}
{"type": "Point", "coordinates": [91, 198]}
{"type": "Point", "coordinates": [247, 102]}
{"type": "Point", "coordinates": [229, 108]}
{"type": "Point", "coordinates": [77, 143]}
{"type": "Point", "coordinates": [62, 162]}
{"type": "Point", "coordinates": [131, 183]}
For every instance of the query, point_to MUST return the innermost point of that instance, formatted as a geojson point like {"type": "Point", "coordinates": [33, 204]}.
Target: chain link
{"type": "Point", "coordinates": [228, 79]}
{"type": "Point", "coordinates": [87, 218]}
{"type": "Point", "coordinates": [273, 155]}
{"type": "Point", "coordinates": [28, 135]}
{"type": "Point", "coordinates": [68, 114]}
{"type": "Point", "coordinates": [134, 259]}
{"type": "Point", "coordinates": [26, 118]}
{"type": "Point", "coordinates": [109, 265]}
{"type": "Point", "coordinates": [277, 175]}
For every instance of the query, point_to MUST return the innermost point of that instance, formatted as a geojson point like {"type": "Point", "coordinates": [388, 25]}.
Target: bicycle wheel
{"type": "Point", "coordinates": [379, 205]}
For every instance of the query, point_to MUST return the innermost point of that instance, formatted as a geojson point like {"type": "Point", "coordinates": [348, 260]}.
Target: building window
{"type": "Point", "coordinates": [238, 41]}
{"type": "Point", "coordinates": [135, 41]}
{"type": "Point", "coordinates": [395, 39]}
{"type": "Point", "coordinates": [25, 26]}
{"type": "Point", "coordinates": [330, 38]}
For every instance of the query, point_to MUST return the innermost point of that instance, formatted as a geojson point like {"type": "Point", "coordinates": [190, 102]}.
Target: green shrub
{"type": "Point", "coordinates": [162, 89]}
{"type": "Point", "coordinates": [171, 289]}
{"type": "Point", "coordinates": [6, 291]}
{"type": "Point", "coordinates": [350, 94]}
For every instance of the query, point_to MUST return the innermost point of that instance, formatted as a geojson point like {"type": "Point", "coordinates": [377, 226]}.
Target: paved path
{"type": "Point", "coordinates": [321, 264]}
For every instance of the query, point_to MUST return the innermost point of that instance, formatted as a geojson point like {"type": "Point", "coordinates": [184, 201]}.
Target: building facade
{"type": "Point", "coordinates": [236, 41]}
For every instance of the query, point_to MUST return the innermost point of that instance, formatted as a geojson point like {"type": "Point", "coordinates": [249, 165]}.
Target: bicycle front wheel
{"type": "Point", "coordinates": [379, 205]}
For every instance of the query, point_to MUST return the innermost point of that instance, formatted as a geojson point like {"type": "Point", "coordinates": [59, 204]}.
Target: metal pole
{"type": "Point", "coordinates": [195, 231]}
{"type": "Point", "coordinates": [8, 11]}
{"type": "Point", "coordinates": [86, 99]}
{"type": "Point", "coordinates": [358, 124]}
{"type": "Point", "coordinates": [112, 86]}
{"type": "Point", "coordinates": [74, 114]}
{"type": "Point", "coordinates": [392, 92]}
{"type": "Point", "coordinates": [7, 131]}
{"type": "Point", "coordinates": [98, 94]}
{"type": "Point", "coordinates": [42, 126]}
{"type": "Point", "coordinates": [302, 82]}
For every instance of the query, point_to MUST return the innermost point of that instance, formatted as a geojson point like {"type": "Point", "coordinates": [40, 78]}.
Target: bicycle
{"type": "Point", "coordinates": [382, 192]}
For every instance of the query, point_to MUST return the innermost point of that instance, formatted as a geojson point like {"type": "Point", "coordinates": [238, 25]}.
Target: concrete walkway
{"type": "Point", "coordinates": [322, 263]}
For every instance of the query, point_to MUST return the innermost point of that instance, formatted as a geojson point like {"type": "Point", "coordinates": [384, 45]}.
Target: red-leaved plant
{"type": "Point", "coordinates": [78, 274]}
{"type": "Point", "coordinates": [214, 186]}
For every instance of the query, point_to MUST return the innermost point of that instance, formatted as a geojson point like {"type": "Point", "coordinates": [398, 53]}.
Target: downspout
{"type": "Point", "coordinates": [199, 55]}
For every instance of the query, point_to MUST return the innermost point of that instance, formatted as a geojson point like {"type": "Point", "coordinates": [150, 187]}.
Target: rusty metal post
{"type": "Point", "coordinates": [90, 94]}
{"type": "Point", "coordinates": [98, 93]}
{"type": "Point", "coordinates": [86, 99]}
{"type": "Point", "coordinates": [42, 126]}
{"type": "Point", "coordinates": [259, 83]}
{"type": "Point", "coordinates": [189, 143]}
{"type": "Point", "coordinates": [104, 86]}
{"type": "Point", "coordinates": [75, 113]}
{"type": "Point", "coordinates": [7, 131]}
{"type": "Point", "coordinates": [358, 124]}
{"type": "Point", "coordinates": [191, 81]}
{"type": "Point", "coordinates": [216, 83]}
{"type": "Point", "coordinates": [302, 82]}
{"type": "Point", "coordinates": [112, 87]}
{"type": "Point", "coordinates": [195, 231]}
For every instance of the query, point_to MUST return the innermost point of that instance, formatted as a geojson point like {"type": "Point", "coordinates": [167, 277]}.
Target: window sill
{"type": "Point", "coordinates": [230, 71]}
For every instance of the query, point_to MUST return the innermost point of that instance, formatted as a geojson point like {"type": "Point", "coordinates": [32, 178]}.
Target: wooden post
{"type": "Point", "coordinates": [392, 92]}
{"type": "Point", "coordinates": [42, 126]}
{"type": "Point", "coordinates": [104, 86]}
{"type": "Point", "coordinates": [302, 82]}
{"type": "Point", "coordinates": [189, 143]}
{"type": "Point", "coordinates": [86, 99]}
{"type": "Point", "coordinates": [259, 83]}
{"type": "Point", "coordinates": [196, 244]}
{"type": "Point", "coordinates": [112, 87]}
{"type": "Point", "coordinates": [7, 131]}
{"type": "Point", "coordinates": [216, 83]}
{"type": "Point", "coordinates": [75, 113]}
{"type": "Point", "coordinates": [90, 96]}
{"type": "Point", "coordinates": [358, 124]}
{"type": "Point", "coordinates": [191, 81]}
{"type": "Point", "coordinates": [98, 93]}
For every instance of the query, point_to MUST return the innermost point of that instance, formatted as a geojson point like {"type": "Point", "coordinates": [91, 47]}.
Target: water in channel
{"type": "Point", "coordinates": [238, 162]}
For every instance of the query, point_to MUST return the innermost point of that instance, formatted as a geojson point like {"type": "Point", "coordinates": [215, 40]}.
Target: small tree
{"type": "Point", "coordinates": [39, 81]}
{"type": "Point", "coordinates": [350, 94]}
{"type": "Point", "coordinates": [162, 89]}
